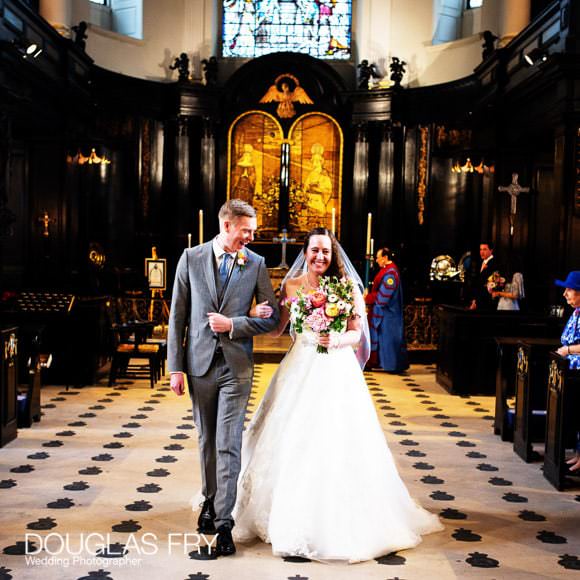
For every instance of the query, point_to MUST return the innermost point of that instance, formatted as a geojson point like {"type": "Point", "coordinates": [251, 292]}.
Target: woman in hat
{"type": "Point", "coordinates": [571, 338]}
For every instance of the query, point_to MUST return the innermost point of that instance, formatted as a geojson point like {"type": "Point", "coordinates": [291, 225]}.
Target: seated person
{"type": "Point", "coordinates": [571, 339]}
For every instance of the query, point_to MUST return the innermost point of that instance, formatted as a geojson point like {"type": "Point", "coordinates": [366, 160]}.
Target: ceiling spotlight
{"type": "Point", "coordinates": [536, 56]}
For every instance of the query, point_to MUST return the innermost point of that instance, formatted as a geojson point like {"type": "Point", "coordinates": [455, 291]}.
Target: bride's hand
{"type": "Point", "coordinates": [329, 340]}
{"type": "Point", "coordinates": [261, 310]}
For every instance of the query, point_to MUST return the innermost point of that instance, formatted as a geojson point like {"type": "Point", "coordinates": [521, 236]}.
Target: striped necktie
{"type": "Point", "coordinates": [224, 268]}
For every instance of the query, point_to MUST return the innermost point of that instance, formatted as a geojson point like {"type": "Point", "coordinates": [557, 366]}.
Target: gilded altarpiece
{"type": "Point", "coordinates": [254, 151]}
{"type": "Point", "coordinates": [310, 160]}
{"type": "Point", "coordinates": [316, 145]}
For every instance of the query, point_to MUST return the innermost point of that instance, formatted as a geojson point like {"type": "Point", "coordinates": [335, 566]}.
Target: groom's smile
{"type": "Point", "coordinates": [235, 234]}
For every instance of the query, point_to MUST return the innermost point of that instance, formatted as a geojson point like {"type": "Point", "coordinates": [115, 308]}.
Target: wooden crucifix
{"type": "Point", "coordinates": [284, 240]}
{"type": "Point", "coordinates": [513, 190]}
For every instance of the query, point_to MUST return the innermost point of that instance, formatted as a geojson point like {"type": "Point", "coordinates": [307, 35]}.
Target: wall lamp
{"type": "Point", "coordinates": [470, 168]}
{"type": "Point", "coordinates": [92, 159]}
{"type": "Point", "coordinates": [26, 48]}
{"type": "Point", "coordinates": [536, 56]}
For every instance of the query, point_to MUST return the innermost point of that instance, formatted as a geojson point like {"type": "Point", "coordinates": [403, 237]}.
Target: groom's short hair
{"type": "Point", "coordinates": [234, 208]}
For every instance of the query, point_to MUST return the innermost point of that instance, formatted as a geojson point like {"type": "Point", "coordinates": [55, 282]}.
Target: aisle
{"type": "Point", "coordinates": [122, 464]}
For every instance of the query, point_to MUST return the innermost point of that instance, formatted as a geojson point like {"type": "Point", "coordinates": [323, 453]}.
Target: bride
{"type": "Point", "coordinates": [318, 479]}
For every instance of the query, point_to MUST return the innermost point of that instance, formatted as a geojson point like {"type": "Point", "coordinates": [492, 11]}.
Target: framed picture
{"type": "Point", "coordinates": [156, 273]}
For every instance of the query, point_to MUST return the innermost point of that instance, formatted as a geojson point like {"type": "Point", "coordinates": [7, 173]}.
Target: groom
{"type": "Point", "coordinates": [210, 337]}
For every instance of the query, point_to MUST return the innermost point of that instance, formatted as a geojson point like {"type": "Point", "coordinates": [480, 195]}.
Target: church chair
{"type": "Point", "coordinates": [124, 352]}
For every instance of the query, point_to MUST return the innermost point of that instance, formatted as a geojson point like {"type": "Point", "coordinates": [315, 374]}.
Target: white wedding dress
{"type": "Point", "coordinates": [318, 479]}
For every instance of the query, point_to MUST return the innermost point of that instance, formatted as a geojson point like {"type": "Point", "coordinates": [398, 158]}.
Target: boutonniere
{"type": "Point", "coordinates": [241, 260]}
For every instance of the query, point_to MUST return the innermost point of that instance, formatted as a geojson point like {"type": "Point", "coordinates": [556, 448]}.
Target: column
{"type": "Point", "coordinates": [514, 16]}
{"type": "Point", "coordinates": [184, 216]}
{"type": "Point", "coordinates": [360, 181]}
{"type": "Point", "coordinates": [58, 14]}
{"type": "Point", "coordinates": [199, 39]}
{"type": "Point", "coordinates": [208, 165]}
{"type": "Point", "coordinates": [385, 187]}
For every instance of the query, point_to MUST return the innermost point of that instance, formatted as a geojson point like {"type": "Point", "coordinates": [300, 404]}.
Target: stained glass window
{"type": "Point", "coordinates": [320, 28]}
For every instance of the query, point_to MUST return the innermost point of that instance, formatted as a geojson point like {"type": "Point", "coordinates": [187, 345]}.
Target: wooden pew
{"type": "Point", "coordinates": [31, 390]}
{"type": "Point", "coordinates": [531, 393]}
{"type": "Point", "coordinates": [8, 383]}
{"type": "Point", "coordinates": [505, 380]}
{"type": "Point", "coordinates": [467, 353]}
{"type": "Point", "coordinates": [75, 332]}
{"type": "Point", "coordinates": [562, 419]}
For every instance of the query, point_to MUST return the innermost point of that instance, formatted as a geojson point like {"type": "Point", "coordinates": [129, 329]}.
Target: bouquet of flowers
{"type": "Point", "coordinates": [325, 309]}
{"type": "Point", "coordinates": [495, 283]}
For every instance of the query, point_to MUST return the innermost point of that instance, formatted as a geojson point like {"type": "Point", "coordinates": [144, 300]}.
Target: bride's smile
{"type": "Point", "coordinates": [319, 254]}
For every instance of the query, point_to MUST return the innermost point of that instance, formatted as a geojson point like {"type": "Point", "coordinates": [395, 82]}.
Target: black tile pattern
{"type": "Point", "coordinates": [459, 426]}
{"type": "Point", "coordinates": [480, 560]}
{"type": "Point", "coordinates": [452, 514]}
{"type": "Point", "coordinates": [129, 526]}
{"type": "Point", "coordinates": [531, 516]}
{"type": "Point", "coordinates": [551, 537]}
{"type": "Point", "coordinates": [465, 535]}
{"type": "Point", "coordinates": [76, 486]}
{"type": "Point", "coordinates": [569, 562]}
{"type": "Point", "coordinates": [393, 559]}
{"type": "Point", "coordinates": [42, 524]}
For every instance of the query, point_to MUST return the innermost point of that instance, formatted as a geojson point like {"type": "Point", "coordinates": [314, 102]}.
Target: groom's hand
{"type": "Point", "coordinates": [176, 383]}
{"type": "Point", "coordinates": [219, 322]}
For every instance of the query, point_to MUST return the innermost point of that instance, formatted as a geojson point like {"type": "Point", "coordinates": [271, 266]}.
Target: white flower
{"type": "Point", "coordinates": [342, 305]}
{"type": "Point", "coordinates": [333, 298]}
{"type": "Point", "coordinates": [294, 309]}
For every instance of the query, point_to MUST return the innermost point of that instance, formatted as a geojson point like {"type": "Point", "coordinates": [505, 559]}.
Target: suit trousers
{"type": "Point", "coordinates": [219, 401]}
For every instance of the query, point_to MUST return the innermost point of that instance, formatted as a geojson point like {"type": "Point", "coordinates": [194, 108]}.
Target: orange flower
{"type": "Point", "coordinates": [317, 299]}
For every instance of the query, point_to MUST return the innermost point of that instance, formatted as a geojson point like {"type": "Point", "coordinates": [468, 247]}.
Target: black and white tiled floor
{"type": "Point", "coordinates": [122, 464]}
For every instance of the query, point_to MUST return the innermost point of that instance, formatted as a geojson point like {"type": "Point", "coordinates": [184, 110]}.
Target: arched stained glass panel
{"type": "Point", "coordinates": [320, 28]}
{"type": "Point", "coordinates": [254, 166]}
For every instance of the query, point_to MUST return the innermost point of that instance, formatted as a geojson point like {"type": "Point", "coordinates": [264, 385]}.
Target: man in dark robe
{"type": "Point", "coordinates": [388, 346]}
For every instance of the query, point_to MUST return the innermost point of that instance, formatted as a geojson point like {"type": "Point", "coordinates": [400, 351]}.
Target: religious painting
{"type": "Point", "coordinates": [156, 273]}
{"type": "Point", "coordinates": [254, 150]}
{"type": "Point", "coordinates": [316, 145]}
{"type": "Point", "coordinates": [320, 28]}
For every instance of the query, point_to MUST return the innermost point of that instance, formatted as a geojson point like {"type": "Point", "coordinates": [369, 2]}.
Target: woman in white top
{"type": "Point", "coordinates": [513, 292]}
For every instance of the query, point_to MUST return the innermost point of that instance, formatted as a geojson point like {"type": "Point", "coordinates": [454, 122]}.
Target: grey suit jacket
{"type": "Point", "coordinates": [195, 294]}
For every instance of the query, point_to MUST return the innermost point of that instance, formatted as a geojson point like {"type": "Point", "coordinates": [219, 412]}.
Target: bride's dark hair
{"type": "Point", "coordinates": [336, 267]}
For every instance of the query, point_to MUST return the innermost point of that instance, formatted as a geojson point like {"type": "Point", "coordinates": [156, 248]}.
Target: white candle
{"type": "Point", "coordinates": [369, 224]}
{"type": "Point", "coordinates": [189, 240]}
{"type": "Point", "coordinates": [372, 252]}
{"type": "Point", "coordinates": [201, 226]}
{"type": "Point", "coordinates": [333, 227]}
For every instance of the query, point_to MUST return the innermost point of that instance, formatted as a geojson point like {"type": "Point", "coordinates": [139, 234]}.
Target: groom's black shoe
{"type": "Point", "coordinates": [205, 524]}
{"type": "Point", "coordinates": [225, 543]}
